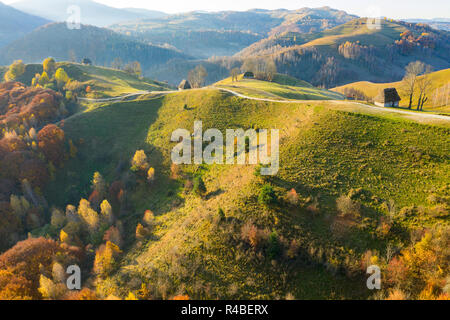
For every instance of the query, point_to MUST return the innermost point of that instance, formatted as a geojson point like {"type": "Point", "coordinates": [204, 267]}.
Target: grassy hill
{"type": "Point", "coordinates": [284, 87]}
{"type": "Point", "coordinates": [109, 82]}
{"type": "Point", "coordinates": [355, 30]}
{"type": "Point", "coordinates": [326, 152]}
{"type": "Point", "coordinates": [439, 80]}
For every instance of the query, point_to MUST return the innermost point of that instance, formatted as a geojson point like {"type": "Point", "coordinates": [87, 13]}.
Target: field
{"type": "Point", "coordinates": [107, 82]}
{"type": "Point", "coordinates": [282, 87]}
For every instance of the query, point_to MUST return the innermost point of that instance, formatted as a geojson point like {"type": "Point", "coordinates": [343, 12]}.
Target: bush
{"type": "Point", "coordinates": [274, 248]}
{"type": "Point", "coordinates": [199, 186]}
{"type": "Point", "coordinates": [221, 214]}
{"type": "Point", "coordinates": [347, 207]}
{"type": "Point", "coordinates": [267, 195]}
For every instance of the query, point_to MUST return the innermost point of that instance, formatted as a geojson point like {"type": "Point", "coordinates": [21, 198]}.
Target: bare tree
{"type": "Point", "coordinates": [72, 56]}
{"type": "Point", "coordinates": [197, 76]}
{"type": "Point", "coordinates": [413, 71]}
{"type": "Point", "coordinates": [133, 68]}
{"type": "Point", "coordinates": [234, 73]}
{"type": "Point", "coordinates": [117, 63]}
{"type": "Point", "coordinates": [263, 69]}
{"type": "Point", "coordinates": [423, 85]}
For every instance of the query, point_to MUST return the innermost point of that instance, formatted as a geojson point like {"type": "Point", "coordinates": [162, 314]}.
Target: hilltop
{"type": "Point", "coordinates": [282, 87]}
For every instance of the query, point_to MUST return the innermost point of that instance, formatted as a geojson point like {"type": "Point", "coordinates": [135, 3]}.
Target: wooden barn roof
{"type": "Point", "coordinates": [388, 95]}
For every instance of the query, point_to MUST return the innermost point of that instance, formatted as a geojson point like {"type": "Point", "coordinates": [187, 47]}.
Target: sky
{"type": "Point", "coordinates": [389, 8]}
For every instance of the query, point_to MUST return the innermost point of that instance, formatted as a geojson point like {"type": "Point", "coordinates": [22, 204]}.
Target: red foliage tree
{"type": "Point", "coordinates": [29, 259]}
{"type": "Point", "coordinates": [51, 142]}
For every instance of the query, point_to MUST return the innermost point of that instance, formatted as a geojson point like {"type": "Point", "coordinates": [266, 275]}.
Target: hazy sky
{"type": "Point", "coordinates": [388, 8]}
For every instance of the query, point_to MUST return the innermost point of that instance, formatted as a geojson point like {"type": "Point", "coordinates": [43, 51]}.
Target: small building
{"type": "Point", "coordinates": [388, 97]}
{"type": "Point", "coordinates": [249, 75]}
{"type": "Point", "coordinates": [184, 85]}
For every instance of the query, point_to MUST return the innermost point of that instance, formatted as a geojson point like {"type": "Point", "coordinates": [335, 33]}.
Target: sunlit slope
{"type": "Point", "coordinates": [282, 86]}
{"type": "Point", "coordinates": [107, 82]}
{"type": "Point", "coordinates": [353, 31]}
{"type": "Point", "coordinates": [439, 79]}
{"type": "Point", "coordinates": [324, 153]}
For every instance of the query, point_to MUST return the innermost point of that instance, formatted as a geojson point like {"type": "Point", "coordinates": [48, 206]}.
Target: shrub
{"type": "Point", "coordinates": [274, 248]}
{"type": "Point", "coordinates": [250, 234]}
{"type": "Point", "coordinates": [267, 195]}
{"type": "Point", "coordinates": [347, 207]}
{"type": "Point", "coordinates": [292, 197]}
{"type": "Point", "coordinates": [221, 214]}
{"type": "Point", "coordinates": [199, 187]}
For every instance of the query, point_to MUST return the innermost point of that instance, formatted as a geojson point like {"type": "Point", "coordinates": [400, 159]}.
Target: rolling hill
{"type": "Point", "coordinates": [326, 152]}
{"type": "Point", "coordinates": [439, 82]}
{"type": "Point", "coordinates": [282, 87]}
{"type": "Point", "coordinates": [333, 204]}
{"type": "Point", "coordinates": [92, 13]}
{"type": "Point", "coordinates": [101, 46]}
{"type": "Point", "coordinates": [107, 82]}
{"type": "Point", "coordinates": [203, 34]}
{"type": "Point", "coordinates": [14, 24]}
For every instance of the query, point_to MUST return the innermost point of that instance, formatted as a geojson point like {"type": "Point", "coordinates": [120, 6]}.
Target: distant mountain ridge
{"type": "Point", "coordinates": [15, 24]}
{"type": "Point", "coordinates": [92, 13]}
{"type": "Point", "coordinates": [206, 34]}
{"type": "Point", "coordinates": [101, 46]}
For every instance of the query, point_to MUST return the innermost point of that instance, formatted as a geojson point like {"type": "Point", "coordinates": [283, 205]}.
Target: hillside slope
{"type": "Point", "coordinates": [107, 82]}
{"type": "Point", "coordinates": [354, 51]}
{"type": "Point", "coordinates": [14, 24]}
{"type": "Point", "coordinates": [325, 153]}
{"type": "Point", "coordinates": [92, 13]}
{"type": "Point", "coordinates": [100, 45]}
{"type": "Point", "coordinates": [282, 86]}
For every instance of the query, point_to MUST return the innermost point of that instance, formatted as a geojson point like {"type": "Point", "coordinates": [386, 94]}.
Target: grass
{"type": "Point", "coordinates": [326, 151]}
{"type": "Point", "coordinates": [357, 30]}
{"type": "Point", "coordinates": [282, 87]}
{"type": "Point", "coordinates": [107, 82]}
{"type": "Point", "coordinates": [371, 90]}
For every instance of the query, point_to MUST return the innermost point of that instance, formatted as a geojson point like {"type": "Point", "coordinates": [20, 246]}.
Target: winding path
{"type": "Point", "coordinates": [140, 93]}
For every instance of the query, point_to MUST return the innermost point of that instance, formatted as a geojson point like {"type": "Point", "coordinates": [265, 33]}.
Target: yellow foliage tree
{"type": "Point", "coordinates": [105, 258]}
